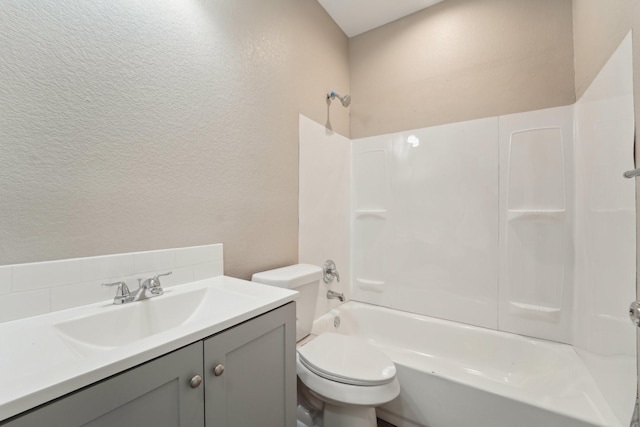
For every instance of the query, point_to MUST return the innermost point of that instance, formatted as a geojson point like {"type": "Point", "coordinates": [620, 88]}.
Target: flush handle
{"type": "Point", "coordinates": [634, 313]}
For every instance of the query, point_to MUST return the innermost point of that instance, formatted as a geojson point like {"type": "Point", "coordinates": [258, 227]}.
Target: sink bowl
{"type": "Point", "coordinates": [116, 326]}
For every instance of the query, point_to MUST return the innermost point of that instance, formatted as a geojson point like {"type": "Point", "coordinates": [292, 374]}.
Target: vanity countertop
{"type": "Point", "coordinates": [45, 357]}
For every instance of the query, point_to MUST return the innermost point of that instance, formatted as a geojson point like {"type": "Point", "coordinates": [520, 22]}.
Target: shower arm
{"type": "Point", "coordinates": [345, 100]}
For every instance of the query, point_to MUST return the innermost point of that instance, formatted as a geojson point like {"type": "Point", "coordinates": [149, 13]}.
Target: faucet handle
{"type": "Point", "coordinates": [329, 271]}
{"type": "Point", "coordinates": [122, 294]}
{"type": "Point", "coordinates": [123, 289]}
{"type": "Point", "coordinates": [153, 283]}
{"type": "Point", "coordinates": [163, 274]}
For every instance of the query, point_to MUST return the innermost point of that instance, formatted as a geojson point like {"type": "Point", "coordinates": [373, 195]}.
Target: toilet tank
{"type": "Point", "coordinates": [304, 278]}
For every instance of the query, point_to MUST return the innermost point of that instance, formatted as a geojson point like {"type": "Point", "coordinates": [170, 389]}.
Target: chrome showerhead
{"type": "Point", "coordinates": [346, 100]}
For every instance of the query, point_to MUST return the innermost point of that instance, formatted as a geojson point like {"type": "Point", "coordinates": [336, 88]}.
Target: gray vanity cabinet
{"type": "Point", "coordinates": [256, 387]}
{"type": "Point", "coordinates": [250, 373]}
{"type": "Point", "coordinates": [156, 394]}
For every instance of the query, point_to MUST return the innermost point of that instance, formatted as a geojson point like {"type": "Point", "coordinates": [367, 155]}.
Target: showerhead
{"type": "Point", "coordinates": [346, 100]}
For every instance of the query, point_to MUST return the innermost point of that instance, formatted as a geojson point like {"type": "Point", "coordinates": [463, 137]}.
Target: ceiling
{"type": "Point", "coordinates": [358, 16]}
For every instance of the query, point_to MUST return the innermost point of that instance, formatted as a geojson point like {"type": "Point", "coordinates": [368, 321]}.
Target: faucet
{"type": "Point", "coordinates": [123, 295]}
{"type": "Point", "coordinates": [335, 295]}
{"type": "Point", "coordinates": [148, 289]}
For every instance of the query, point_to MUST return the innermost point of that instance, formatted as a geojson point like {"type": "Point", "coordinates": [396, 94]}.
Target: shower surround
{"type": "Point", "coordinates": [519, 223]}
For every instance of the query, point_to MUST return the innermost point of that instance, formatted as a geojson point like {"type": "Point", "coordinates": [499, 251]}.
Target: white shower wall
{"type": "Point", "coordinates": [605, 231]}
{"type": "Point", "coordinates": [521, 223]}
{"type": "Point", "coordinates": [425, 209]}
{"type": "Point", "coordinates": [487, 222]}
{"type": "Point", "coordinates": [535, 295]}
{"type": "Point", "coordinates": [472, 224]}
{"type": "Point", "coordinates": [325, 168]}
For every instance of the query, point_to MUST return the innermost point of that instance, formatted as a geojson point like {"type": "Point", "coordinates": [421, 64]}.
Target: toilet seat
{"type": "Point", "coordinates": [341, 394]}
{"type": "Point", "coordinates": [345, 370]}
{"type": "Point", "coordinates": [347, 360]}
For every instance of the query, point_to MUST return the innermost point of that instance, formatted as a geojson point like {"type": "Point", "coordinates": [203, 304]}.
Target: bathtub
{"type": "Point", "coordinates": [455, 375]}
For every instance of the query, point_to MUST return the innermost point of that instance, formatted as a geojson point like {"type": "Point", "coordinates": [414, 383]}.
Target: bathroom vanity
{"type": "Point", "coordinates": [231, 363]}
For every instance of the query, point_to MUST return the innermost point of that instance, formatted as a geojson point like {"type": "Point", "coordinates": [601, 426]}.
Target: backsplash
{"type": "Point", "coordinates": [37, 288]}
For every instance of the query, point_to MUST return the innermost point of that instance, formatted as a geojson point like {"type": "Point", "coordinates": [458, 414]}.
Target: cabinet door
{"type": "Point", "coordinates": [157, 394]}
{"type": "Point", "coordinates": [258, 385]}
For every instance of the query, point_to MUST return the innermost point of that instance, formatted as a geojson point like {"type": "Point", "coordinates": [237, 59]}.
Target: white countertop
{"type": "Point", "coordinates": [39, 363]}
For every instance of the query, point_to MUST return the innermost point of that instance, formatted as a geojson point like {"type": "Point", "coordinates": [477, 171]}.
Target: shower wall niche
{"type": "Point", "coordinates": [536, 223]}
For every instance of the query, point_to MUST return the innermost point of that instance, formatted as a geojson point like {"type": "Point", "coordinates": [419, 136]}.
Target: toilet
{"type": "Point", "coordinates": [342, 377]}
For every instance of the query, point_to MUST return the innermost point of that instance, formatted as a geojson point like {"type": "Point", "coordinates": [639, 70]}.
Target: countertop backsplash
{"type": "Point", "coordinates": [37, 288]}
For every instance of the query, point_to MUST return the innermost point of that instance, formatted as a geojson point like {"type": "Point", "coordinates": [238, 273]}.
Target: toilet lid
{"type": "Point", "coordinates": [347, 360]}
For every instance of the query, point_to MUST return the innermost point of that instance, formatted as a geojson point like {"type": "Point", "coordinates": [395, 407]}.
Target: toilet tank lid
{"type": "Point", "coordinates": [289, 277]}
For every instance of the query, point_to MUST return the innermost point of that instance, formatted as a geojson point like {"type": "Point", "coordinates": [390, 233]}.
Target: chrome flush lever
{"type": "Point", "coordinates": [634, 313]}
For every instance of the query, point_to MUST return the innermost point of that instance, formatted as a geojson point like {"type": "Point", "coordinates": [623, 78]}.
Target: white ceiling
{"type": "Point", "coordinates": [358, 16]}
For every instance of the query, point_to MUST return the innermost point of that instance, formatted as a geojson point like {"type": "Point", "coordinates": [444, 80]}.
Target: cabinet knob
{"type": "Point", "coordinates": [195, 381]}
{"type": "Point", "coordinates": [218, 370]}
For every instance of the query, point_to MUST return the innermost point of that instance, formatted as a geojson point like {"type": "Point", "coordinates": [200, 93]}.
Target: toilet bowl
{"type": "Point", "coordinates": [349, 376]}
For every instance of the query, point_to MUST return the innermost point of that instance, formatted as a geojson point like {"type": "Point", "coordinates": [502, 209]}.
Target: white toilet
{"type": "Point", "coordinates": [349, 376]}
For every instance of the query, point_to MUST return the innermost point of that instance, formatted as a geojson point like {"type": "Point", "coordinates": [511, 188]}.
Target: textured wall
{"type": "Point", "coordinates": [137, 125]}
{"type": "Point", "coordinates": [460, 60]}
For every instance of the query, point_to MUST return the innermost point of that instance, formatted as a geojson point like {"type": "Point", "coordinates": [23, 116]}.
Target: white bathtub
{"type": "Point", "coordinates": [455, 375]}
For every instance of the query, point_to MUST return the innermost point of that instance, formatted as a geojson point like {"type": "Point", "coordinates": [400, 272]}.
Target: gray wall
{"type": "Point", "coordinates": [131, 126]}
{"type": "Point", "coordinates": [461, 60]}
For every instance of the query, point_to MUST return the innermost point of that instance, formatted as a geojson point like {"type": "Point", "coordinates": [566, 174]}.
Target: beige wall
{"type": "Point", "coordinates": [599, 27]}
{"type": "Point", "coordinates": [132, 126]}
{"type": "Point", "coordinates": [322, 67]}
{"type": "Point", "coordinates": [461, 60]}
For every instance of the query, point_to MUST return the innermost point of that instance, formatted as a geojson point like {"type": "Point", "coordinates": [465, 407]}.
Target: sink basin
{"type": "Point", "coordinates": [120, 325]}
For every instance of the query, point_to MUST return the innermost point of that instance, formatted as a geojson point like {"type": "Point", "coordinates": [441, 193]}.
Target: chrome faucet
{"type": "Point", "coordinates": [335, 295]}
{"type": "Point", "coordinates": [148, 289]}
{"type": "Point", "coordinates": [123, 295]}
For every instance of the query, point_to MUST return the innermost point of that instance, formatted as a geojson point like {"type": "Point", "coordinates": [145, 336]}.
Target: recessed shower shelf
{"type": "Point", "coordinates": [536, 215]}
{"type": "Point", "coordinates": [380, 213]}
{"type": "Point", "coordinates": [533, 307]}
{"type": "Point", "coordinates": [370, 285]}
{"type": "Point", "coordinates": [622, 320]}
{"type": "Point", "coordinates": [540, 312]}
